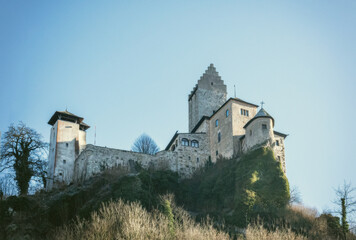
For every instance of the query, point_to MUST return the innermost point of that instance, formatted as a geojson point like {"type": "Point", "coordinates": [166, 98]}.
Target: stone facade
{"type": "Point", "coordinates": [217, 128]}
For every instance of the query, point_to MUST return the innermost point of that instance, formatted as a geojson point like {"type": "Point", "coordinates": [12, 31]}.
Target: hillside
{"type": "Point", "coordinates": [233, 193]}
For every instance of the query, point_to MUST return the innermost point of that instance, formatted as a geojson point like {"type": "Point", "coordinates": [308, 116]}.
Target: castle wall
{"type": "Point", "coordinates": [279, 151]}
{"type": "Point", "coordinates": [224, 147]}
{"type": "Point", "coordinates": [189, 157]}
{"type": "Point", "coordinates": [238, 119]}
{"type": "Point", "coordinates": [52, 156]}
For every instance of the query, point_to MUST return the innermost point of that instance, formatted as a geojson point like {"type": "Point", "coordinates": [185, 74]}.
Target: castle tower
{"type": "Point", "coordinates": [259, 130]}
{"type": "Point", "coordinates": [68, 139]}
{"type": "Point", "coordinates": [208, 95]}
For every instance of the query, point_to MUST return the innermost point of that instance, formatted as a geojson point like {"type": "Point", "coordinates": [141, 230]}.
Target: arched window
{"type": "Point", "coordinates": [219, 136]}
{"type": "Point", "coordinates": [216, 122]}
{"type": "Point", "coordinates": [227, 112]}
{"type": "Point", "coordinates": [185, 142]}
{"type": "Point", "coordinates": [195, 143]}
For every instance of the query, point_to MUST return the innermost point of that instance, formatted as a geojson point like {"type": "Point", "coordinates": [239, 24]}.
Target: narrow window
{"type": "Point", "coordinates": [264, 126]}
{"type": "Point", "coordinates": [277, 142]}
{"type": "Point", "coordinates": [219, 137]}
{"type": "Point", "coordinates": [217, 152]}
{"type": "Point", "coordinates": [66, 144]}
{"type": "Point", "coordinates": [279, 158]}
{"type": "Point", "coordinates": [197, 159]}
{"type": "Point", "coordinates": [189, 158]}
{"type": "Point", "coordinates": [247, 113]}
{"type": "Point", "coordinates": [227, 112]}
{"type": "Point", "coordinates": [185, 142]}
{"type": "Point", "coordinates": [64, 161]}
{"type": "Point", "coordinates": [216, 122]}
{"type": "Point", "coordinates": [250, 132]}
{"type": "Point", "coordinates": [212, 83]}
{"type": "Point", "coordinates": [242, 111]}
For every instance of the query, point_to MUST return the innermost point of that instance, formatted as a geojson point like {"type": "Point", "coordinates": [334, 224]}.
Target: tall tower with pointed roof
{"type": "Point", "coordinates": [208, 95]}
{"type": "Point", "coordinates": [68, 139]}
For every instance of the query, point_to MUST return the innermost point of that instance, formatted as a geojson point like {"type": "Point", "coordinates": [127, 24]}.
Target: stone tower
{"type": "Point", "coordinates": [68, 139]}
{"type": "Point", "coordinates": [208, 95]}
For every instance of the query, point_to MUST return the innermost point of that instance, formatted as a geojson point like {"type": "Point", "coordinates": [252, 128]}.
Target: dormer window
{"type": "Point", "coordinates": [185, 142]}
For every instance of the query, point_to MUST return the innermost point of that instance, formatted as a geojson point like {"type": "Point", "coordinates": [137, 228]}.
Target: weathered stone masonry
{"type": "Point", "coordinates": [217, 128]}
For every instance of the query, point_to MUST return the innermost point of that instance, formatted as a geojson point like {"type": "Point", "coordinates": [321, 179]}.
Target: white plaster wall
{"type": "Point", "coordinates": [259, 135]}
{"type": "Point", "coordinates": [238, 120]}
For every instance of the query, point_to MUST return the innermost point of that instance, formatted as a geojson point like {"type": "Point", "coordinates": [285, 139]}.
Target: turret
{"type": "Point", "coordinates": [68, 139]}
{"type": "Point", "coordinates": [259, 130]}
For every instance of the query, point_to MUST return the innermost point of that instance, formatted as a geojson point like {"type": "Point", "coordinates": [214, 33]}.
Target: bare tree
{"type": "Point", "coordinates": [7, 186]}
{"type": "Point", "coordinates": [346, 202]}
{"type": "Point", "coordinates": [295, 196]}
{"type": "Point", "coordinates": [145, 144]}
{"type": "Point", "coordinates": [21, 150]}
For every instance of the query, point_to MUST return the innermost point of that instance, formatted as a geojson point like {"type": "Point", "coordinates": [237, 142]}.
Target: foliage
{"type": "Point", "coordinates": [145, 144]}
{"type": "Point", "coordinates": [22, 150]}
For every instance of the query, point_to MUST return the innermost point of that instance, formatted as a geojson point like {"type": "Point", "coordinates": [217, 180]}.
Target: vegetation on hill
{"type": "Point", "coordinates": [249, 193]}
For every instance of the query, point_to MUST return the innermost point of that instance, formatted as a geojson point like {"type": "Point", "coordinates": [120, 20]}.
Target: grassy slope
{"type": "Point", "coordinates": [232, 192]}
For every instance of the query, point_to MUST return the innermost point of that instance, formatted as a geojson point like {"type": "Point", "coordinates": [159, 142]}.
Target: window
{"type": "Point", "coordinates": [212, 83]}
{"type": "Point", "coordinates": [66, 144]}
{"type": "Point", "coordinates": [64, 161]}
{"type": "Point", "coordinates": [227, 112]}
{"type": "Point", "coordinates": [250, 132]}
{"type": "Point", "coordinates": [277, 142]}
{"type": "Point", "coordinates": [279, 158]}
{"type": "Point", "coordinates": [68, 126]}
{"type": "Point", "coordinates": [185, 142]}
{"type": "Point", "coordinates": [219, 136]}
{"type": "Point", "coordinates": [264, 126]}
{"type": "Point", "coordinates": [188, 157]}
{"type": "Point", "coordinates": [244, 112]}
{"type": "Point", "coordinates": [197, 160]}
{"type": "Point", "coordinates": [173, 147]}
{"type": "Point", "coordinates": [216, 122]}
{"type": "Point", "coordinates": [195, 143]}
{"type": "Point", "coordinates": [217, 152]}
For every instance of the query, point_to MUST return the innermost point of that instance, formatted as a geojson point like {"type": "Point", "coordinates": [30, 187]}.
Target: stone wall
{"type": "Point", "coordinates": [279, 151]}
{"type": "Point", "coordinates": [184, 159]}
{"type": "Point", "coordinates": [224, 147]}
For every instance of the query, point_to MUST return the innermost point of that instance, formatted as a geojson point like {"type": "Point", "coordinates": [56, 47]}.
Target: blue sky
{"type": "Point", "coordinates": [127, 67]}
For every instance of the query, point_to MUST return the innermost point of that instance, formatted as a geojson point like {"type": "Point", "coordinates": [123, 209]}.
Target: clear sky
{"type": "Point", "coordinates": [127, 67]}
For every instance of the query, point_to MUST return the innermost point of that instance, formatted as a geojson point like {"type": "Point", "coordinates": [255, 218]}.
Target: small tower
{"type": "Point", "coordinates": [68, 139]}
{"type": "Point", "coordinates": [207, 96]}
{"type": "Point", "coordinates": [259, 130]}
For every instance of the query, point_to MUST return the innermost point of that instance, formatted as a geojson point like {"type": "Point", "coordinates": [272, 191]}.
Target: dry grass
{"type": "Point", "coordinates": [258, 232]}
{"type": "Point", "coordinates": [117, 220]}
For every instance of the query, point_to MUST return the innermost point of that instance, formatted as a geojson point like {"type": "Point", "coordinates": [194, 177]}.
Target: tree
{"type": "Point", "coordinates": [145, 144]}
{"type": "Point", "coordinates": [295, 196]}
{"type": "Point", "coordinates": [346, 202]}
{"type": "Point", "coordinates": [22, 150]}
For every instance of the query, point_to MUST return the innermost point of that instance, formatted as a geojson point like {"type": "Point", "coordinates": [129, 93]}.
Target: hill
{"type": "Point", "coordinates": [234, 193]}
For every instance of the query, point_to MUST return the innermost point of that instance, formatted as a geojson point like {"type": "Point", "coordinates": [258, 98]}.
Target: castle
{"type": "Point", "coordinates": [218, 127]}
